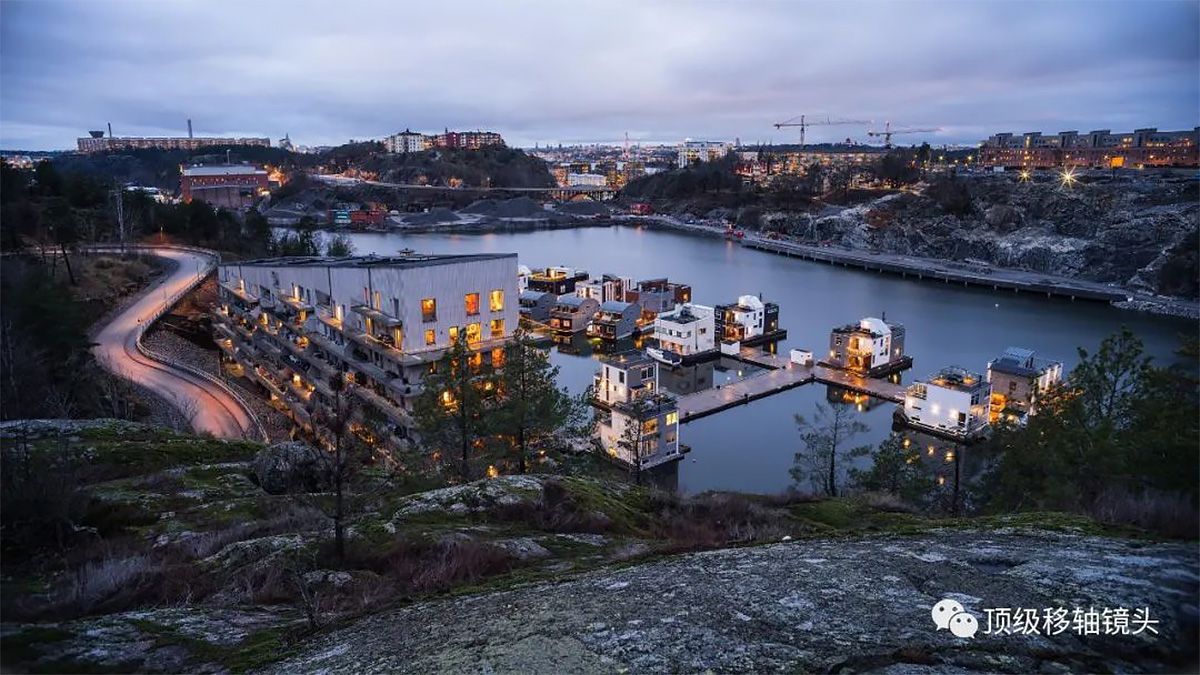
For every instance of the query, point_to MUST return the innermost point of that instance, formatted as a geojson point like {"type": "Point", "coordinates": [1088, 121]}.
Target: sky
{"type": "Point", "coordinates": [592, 71]}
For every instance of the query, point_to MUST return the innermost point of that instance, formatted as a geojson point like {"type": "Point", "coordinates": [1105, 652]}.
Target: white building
{"type": "Point", "coordinates": [638, 424]}
{"type": "Point", "coordinates": [294, 324]}
{"type": "Point", "coordinates": [608, 288]}
{"type": "Point", "coordinates": [406, 141]}
{"type": "Point", "coordinates": [869, 347]}
{"type": "Point", "coordinates": [691, 152]}
{"type": "Point", "coordinates": [686, 330]}
{"type": "Point", "coordinates": [954, 401]}
{"type": "Point", "coordinates": [586, 179]}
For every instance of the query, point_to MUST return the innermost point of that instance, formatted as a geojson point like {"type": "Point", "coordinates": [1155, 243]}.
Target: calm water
{"type": "Point", "coordinates": [750, 448]}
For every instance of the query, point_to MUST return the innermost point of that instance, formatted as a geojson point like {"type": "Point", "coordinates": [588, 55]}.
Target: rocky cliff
{"type": "Point", "coordinates": [825, 606]}
{"type": "Point", "coordinates": [1139, 231]}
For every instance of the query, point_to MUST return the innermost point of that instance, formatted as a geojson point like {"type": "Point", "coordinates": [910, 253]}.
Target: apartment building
{"type": "Point", "coordinates": [102, 143]}
{"type": "Point", "coordinates": [466, 140]}
{"type": "Point", "coordinates": [954, 401]}
{"type": "Point", "coordinates": [406, 141]}
{"type": "Point", "coordinates": [870, 347]}
{"type": "Point", "coordinates": [1018, 378]}
{"type": "Point", "coordinates": [638, 424]}
{"type": "Point", "coordinates": [294, 325]}
{"type": "Point", "coordinates": [692, 152]}
{"type": "Point", "coordinates": [1102, 148]}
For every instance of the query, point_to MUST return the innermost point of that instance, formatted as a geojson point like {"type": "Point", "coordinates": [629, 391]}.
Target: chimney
{"type": "Point", "coordinates": [189, 128]}
{"type": "Point", "coordinates": [110, 129]}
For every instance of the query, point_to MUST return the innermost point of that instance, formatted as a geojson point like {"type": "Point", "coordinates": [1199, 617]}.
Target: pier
{"type": "Point", "coordinates": [948, 272]}
{"type": "Point", "coordinates": [779, 374]}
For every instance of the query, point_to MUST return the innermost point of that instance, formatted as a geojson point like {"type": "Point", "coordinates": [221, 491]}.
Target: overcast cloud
{"type": "Point", "coordinates": [551, 72]}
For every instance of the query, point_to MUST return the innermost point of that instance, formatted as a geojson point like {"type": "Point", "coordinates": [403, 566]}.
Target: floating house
{"type": "Point", "coordinates": [656, 296]}
{"type": "Point", "coordinates": [954, 401]}
{"type": "Point", "coordinates": [687, 330]}
{"type": "Point", "coordinates": [1018, 378]}
{"type": "Point", "coordinates": [872, 347]}
{"type": "Point", "coordinates": [615, 320]}
{"type": "Point", "coordinates": [556, 280]}
{"type": "Point", "coordinates": [536, 305]}
{"type": "Point", "coordinates": [749, 321]}
{"type": "Point", "coordinates": [637, 425]}
{"type": "Point", "coordinates": [572, 314]}
{"type": "Point", "coordinates": [607, 288]}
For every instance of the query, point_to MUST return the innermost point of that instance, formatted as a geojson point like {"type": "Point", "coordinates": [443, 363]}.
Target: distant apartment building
{"type": "Point", "coordinates": [229, 186]}
{"type": "Point", "coordinates": [687, 330]}
{"type": "Point", "coordinates": [953, 401]}
{"type": "Point", "coordinates": [586, 180]}
{"type": "Point", "coordinates": [638, 424]}
{"type": "Point", "coordinates": [692, 152]}
{"type": "Point", "coordinates": [466, 140]}
{"type": "Point", "coordinates": [110, 143]}
{"type": "Point", "coordinates": [1018, 378]}
{"type": "Point", "coordinates": [1096, 149]}
{"type": "Point", "coordinates": [406, 141]}
{"type": "Point", "coordinates": [380, 324]}
{"type": "Point", "coordinates": [870, 347]}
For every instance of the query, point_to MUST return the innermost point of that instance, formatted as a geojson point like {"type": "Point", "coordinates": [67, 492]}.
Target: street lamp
{"type": "Point", "coordinates": [1067, 178]}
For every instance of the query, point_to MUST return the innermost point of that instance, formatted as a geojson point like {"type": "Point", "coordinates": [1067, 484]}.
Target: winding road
{"type": "Point", "coordinates": [210, 406]}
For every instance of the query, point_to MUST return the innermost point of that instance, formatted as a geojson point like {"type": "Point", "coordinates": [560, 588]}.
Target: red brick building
{"type": "Point", "coordinates": [230, 186]}
{"type": "Point", "coordinates": [467, 140]}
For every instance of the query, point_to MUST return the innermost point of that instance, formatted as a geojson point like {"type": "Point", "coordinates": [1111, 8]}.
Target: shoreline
{"type": "Point", "coordinates": [905, 266]}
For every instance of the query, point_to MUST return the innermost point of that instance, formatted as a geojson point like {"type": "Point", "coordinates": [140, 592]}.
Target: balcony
{"type": "Point", "coordinates": [329, 320]}
{"type": "Point", "coordinates": [232, 287]}
{"type": "Point", "coordinates": [377, 316]}
{"type": "Point", "coordinates": [289, 300]}
{"type": "Point", "coordinates": [394, 412]}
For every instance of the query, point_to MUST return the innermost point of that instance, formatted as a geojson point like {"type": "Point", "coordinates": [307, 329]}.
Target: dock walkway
{"type": "Point", "coordinates": [779, 374]}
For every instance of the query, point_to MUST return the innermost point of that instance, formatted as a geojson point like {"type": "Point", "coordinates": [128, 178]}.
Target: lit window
{"type": "Point", "coordinates": [474, 333]}
{"type": "Point", "coordinates": [496, 300]}
{"type": "Point", "coordinates": [453, 334]}
{"type": "Point", "coordinates": [497, 326]}
{"type": "Point", "coordinates": [672, 419]}
{"type": "Point", "coordinates": [497, 357]}
{"type": "Point", "coordinates": [429, 309]}
{"type": "Point", "coordinates": [471, 302]}
{"type": "Point", "coordinates": [430, 337]}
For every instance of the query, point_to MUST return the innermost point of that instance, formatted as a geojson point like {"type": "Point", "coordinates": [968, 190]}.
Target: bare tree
{"type": "Point", "coordinates": [824, 438]}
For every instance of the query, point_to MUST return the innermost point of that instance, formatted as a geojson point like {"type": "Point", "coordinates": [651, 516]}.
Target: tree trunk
{"type": "Point", "coordinates": [339, 509]}
{"type": "Point", "coordinates": [957, 475]}
{"type": "Point", "coordinates": [521, 449]}
{"type": "Point", "coordinates": [67, 261]}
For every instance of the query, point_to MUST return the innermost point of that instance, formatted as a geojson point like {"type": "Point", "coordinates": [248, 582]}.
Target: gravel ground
{"type": "Point", "coordinates": [170, 345]}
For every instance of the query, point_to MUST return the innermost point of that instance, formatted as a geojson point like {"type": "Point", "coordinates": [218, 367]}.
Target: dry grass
{"type": "Point", "coordinates": [1171, 514]}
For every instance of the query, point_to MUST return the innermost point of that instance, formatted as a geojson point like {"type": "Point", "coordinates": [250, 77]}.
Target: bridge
{"type": "Point", "coordinates": [557, 193]}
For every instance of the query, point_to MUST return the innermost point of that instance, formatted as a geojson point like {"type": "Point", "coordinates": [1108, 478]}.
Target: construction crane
{"type": "Point", "coordinates": [888, 132]}
{"type": "Point", "coordinates": [803, 122]}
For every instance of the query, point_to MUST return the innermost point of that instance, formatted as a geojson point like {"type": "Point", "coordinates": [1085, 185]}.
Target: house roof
{"type": "Point", "coordinates": [615, 306]}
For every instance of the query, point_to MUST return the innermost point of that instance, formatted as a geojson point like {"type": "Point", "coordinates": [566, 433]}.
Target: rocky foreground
{"type": "Point", "coordinates": [843, 605]}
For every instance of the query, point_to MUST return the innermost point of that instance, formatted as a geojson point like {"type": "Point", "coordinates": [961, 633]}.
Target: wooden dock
{"type": "Point", "coordinates": [779, 374]}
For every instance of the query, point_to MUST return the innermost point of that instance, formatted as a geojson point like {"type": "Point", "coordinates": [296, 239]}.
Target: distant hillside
{"type": "Point", "coordinates": [487, 167]}
{"type": "Point", "coordinates": [160, 168]}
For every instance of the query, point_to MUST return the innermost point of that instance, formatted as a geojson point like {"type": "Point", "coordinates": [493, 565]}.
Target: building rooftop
{"type": "Point", "coordinates": [627, 359]}
{"type": "Point", "coordinates": [683, 314]}
{"type": "Point", "coordinates": [534, 295]}
{"type": "Point", "coordinates": [234, 170]}
{"type": "Point", "coordinates": [954, 377]}
{"type": "Point", "coordinates": [615, 306]}
{"type": "Point", "coordinates": [401, 261]}
{"type": "Point", "coordinates": [572, 301]}
{"type": "Point", "coordinates": [1022, 362]}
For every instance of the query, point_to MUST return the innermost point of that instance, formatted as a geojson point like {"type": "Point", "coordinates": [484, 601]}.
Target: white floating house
{"type": "Point", "coordinates": [687, 330]}
{"type": "Point", "coordinates": [954, 401]}
{"type": "Point", "coordinates": [638, 425]}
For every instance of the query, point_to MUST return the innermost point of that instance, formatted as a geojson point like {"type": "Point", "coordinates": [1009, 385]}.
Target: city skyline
{"type": "Point", "coordinates": [659, 72]}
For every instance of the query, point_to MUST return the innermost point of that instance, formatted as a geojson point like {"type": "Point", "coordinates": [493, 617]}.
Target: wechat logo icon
{"type": "Point", "coordinates": [951, 616]}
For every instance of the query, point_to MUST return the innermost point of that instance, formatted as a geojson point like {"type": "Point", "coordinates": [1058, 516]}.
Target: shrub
{"type": "Point", "coordinates": [1172, 514]}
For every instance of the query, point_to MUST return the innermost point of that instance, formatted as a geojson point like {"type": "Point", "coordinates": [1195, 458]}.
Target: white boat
{"type": "Point", "coordinates": [664, 356]}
